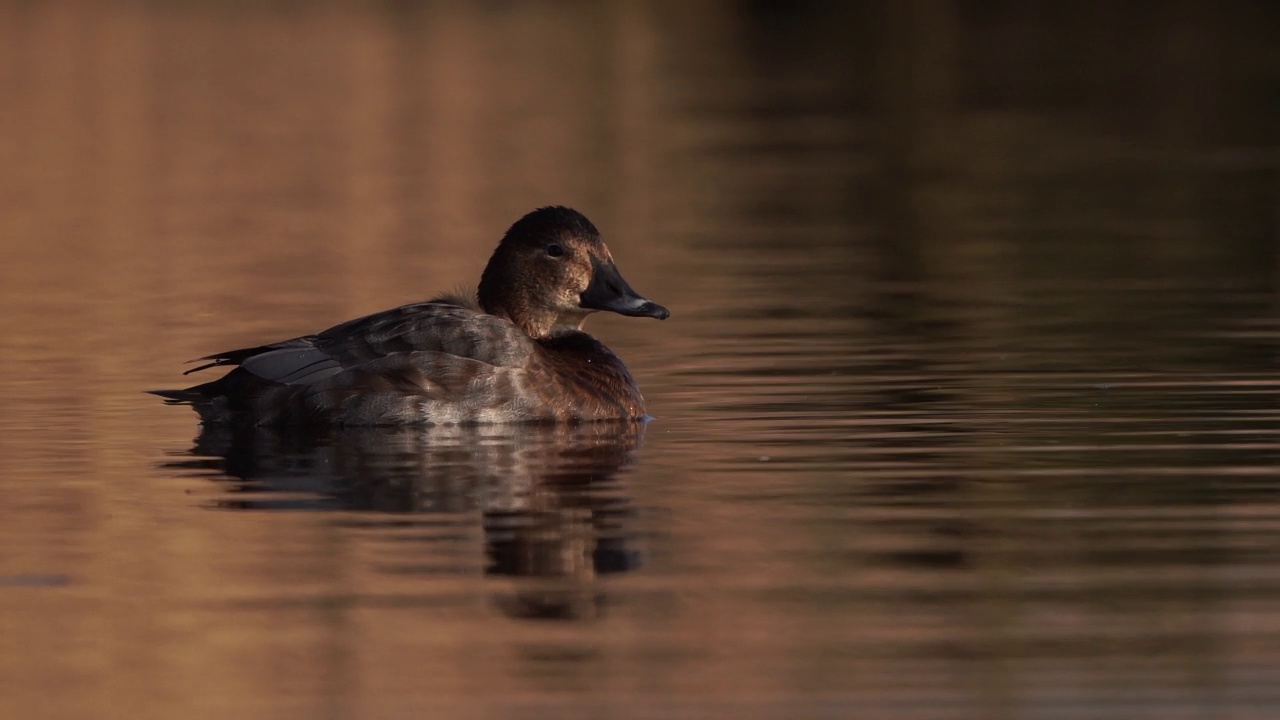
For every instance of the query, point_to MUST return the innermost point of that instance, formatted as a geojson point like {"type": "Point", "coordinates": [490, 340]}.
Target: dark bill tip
{"type": "Point", "coordinates": [654, 310]}
{"type": "Point", "coordinates": [639, 307]}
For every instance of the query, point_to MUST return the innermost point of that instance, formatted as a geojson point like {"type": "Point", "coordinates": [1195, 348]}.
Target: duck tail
{"type": "Point", "coordinates": [189, 396]}
{"type": "Point", "coordinates": [175, 397]}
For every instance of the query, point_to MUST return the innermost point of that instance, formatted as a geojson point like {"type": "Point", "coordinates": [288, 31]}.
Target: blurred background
{"type": "Point", "coordinates": [967, 406]}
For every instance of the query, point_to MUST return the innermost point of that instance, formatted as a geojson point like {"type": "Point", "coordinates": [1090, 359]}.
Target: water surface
{"type": "Point", "coordinates": [967, 407]}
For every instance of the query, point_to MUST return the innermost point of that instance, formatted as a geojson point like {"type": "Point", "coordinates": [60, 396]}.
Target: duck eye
{"type": "Point", "coordinates": [555, 250]}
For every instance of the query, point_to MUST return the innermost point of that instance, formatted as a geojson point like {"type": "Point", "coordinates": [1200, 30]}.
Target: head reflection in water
{"type": "Point", "coordinates": [552, 512]}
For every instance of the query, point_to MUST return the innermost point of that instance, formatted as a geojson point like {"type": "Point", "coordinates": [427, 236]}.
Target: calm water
{"type": "Point", "coordinates": [967, 407]}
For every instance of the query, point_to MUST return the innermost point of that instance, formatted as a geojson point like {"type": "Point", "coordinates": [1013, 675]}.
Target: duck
{"type": "Point", "coordinates": [514, 351]}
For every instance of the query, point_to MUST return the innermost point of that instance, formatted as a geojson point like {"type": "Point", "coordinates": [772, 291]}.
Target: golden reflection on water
{"type": "Point", "coordinates": [966, 409]}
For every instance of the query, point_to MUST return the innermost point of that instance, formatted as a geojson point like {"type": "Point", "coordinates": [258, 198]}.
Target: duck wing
{"type": "Point", "coordinates": [434, 327]}
{"type": "Point", "coordinates": [428, 327]}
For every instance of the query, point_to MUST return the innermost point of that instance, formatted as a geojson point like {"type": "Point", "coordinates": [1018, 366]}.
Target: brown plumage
{"type": "Point", "coordinates": [514, 353]}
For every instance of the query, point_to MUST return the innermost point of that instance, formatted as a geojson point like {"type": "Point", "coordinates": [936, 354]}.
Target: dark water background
{"type": "Point", "coordinates": [967, 407]}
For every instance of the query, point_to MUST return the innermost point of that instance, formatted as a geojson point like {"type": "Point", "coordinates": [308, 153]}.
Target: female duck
{"type": "Point", "coordinates": [515, 353]}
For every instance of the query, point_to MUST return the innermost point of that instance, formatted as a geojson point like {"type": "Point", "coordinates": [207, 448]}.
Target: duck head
{"type": "Point", "coordinates": [552, 270]}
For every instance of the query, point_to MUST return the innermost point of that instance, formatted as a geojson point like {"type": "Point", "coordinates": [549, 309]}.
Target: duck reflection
{"type": "Point", "coordinates": [550, 504]}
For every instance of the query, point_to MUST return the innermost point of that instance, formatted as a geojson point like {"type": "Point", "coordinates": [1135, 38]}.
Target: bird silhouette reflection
{"type": "Point", "coordinates": [548, 498]}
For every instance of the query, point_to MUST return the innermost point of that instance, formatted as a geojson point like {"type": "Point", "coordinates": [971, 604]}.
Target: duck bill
{"type": "Point", "coordinates": [608, 291]}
